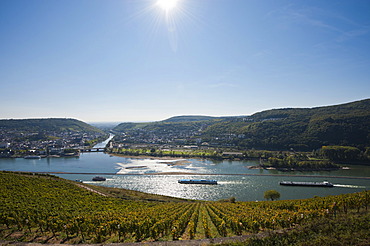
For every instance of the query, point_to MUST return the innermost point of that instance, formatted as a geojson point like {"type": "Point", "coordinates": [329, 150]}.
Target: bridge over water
{"type": "Point", "coordinates": [93, 150]}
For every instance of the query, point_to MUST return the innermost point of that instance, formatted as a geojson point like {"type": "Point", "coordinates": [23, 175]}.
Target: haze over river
{"type": "Point", "coordinates": [234, 178]}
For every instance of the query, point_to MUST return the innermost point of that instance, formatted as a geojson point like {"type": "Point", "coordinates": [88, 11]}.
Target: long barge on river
{"type": "Point", "coordinates": [198, 181]}
{"type": "Point", "coordinates": [99, 178]}
{"type": "Point", "coordinates": [312, 184]}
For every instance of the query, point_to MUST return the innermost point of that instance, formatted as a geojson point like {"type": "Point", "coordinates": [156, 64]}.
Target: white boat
{"type": "Point", "coordinates": [32, 157]}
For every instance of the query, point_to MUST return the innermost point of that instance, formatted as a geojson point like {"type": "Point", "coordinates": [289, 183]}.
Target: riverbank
{"type": "Point", "coordinates": [208, 174]}
{"type": "Point", "coordinates": [268, 159]}
{"type": "Point", "coordinates": [143, 156]}
{"type": "Point", "coordinates": [297, 169]}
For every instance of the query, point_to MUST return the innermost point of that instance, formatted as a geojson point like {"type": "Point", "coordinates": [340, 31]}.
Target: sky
{"type": "Point", "coordinates": [135, 60]}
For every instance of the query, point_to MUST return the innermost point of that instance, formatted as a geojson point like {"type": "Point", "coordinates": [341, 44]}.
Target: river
{"type": "Point", "coordinates": [234, 178]}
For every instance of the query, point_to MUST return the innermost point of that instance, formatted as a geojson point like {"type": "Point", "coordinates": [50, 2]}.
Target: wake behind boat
{"type": "Point", "coordinates": [313, 184]}
{"type": "Point", "coordinates": [197, 181]}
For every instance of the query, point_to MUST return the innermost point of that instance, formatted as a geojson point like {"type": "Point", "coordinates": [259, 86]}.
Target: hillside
{"type": "Point", "coordinates": [48, 209]}
{"type": "Point", "coordinates": [164, 129]}
{"type": "Point", "coordinates": [277, 129]}
{"type": "Point", "coordinates": [189, 118]}
{"type": "Point", "coordinates": [301, 129]}
{"type": "Point", "coordinates": [51, 124]}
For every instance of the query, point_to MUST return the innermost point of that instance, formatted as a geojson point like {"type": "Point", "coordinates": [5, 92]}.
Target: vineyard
{"type": "Point", "coordinates": [47, 209]}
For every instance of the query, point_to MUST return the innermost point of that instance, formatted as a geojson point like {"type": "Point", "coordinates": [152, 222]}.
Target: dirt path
{"type": "Point", "coordinates": [92, 190]}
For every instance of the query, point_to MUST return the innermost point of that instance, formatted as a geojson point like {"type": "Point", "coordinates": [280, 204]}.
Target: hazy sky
{"type": "Point", "coordinates": [132, 60]}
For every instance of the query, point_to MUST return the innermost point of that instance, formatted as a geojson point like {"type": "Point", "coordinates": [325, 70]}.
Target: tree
{"type": "Point", "coordinates": [271, 194]}
{"type": "Point", "coordinates": [341, 153]}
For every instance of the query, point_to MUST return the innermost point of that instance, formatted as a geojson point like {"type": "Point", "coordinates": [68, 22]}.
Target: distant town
{"type": "Point", "coordinates": [17, 143]}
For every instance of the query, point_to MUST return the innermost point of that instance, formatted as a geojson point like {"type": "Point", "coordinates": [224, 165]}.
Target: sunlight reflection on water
{"type": "Point", "coordinates": [138, 175]}
{"type": "Point", "coordinates": [145, 166]}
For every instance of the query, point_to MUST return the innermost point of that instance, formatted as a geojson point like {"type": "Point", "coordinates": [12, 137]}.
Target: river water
{"type": "Point", "coordinates": [234, 178]}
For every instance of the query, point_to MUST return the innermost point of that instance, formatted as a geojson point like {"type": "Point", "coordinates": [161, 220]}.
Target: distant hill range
{"type": "Point", "coordinates": [52, 124]}
{"type": "Point", "coordinates": [189, 118]}
{"type": "Point", "coordinates": [278, 129]}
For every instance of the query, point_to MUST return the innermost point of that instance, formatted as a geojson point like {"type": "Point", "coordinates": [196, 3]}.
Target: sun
{"type": "Point", "coordinates": [167, 5]}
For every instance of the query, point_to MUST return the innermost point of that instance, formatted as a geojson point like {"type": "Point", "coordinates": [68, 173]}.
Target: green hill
{"type": "Point", "coordinates": [128, 126]}
{"type": "Point", "coordinates": [51, 124]}
{"type": "Point", "coordinates": [177, 127]}
{"type": "Point", "coordinates": [301, 128]}
{"type": "Point", "coordinates": [277, 129]}
{"type": "Point", "coordinates": [189, 118]}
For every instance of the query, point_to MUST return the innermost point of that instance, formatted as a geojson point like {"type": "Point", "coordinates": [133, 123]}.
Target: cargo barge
{"type": "Point", "coordinates": [99, 178]}
{"type": "Point", "coordinates": [198, 181]}
{"type": "Point", "coordinates": [312, 184]}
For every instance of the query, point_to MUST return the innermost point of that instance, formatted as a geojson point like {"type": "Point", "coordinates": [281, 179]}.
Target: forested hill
{"type": "Point", "coordinates": [188, 118]}
{"type": "Point", "coordinates": [353, 108]}
{"type": "Point", "coordinates": [299, 128]}
{"type": "Point", "coordinates": [277, 129]}
{"type": "Point", "coordinates": [51, 124]}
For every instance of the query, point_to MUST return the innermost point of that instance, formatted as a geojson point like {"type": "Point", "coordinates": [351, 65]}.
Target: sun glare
{"type": "Point", "coordinates": [171, 14]}
{"type": "Point", "coordinates": [167, 5]}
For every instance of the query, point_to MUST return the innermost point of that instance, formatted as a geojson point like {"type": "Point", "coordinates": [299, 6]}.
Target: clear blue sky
{"type": "Point", "coordinates": [130, 60]}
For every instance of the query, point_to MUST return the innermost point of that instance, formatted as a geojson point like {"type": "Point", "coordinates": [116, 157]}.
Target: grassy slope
{"type": "Point", "coordinates": [129, 195]}
{"type": "Point", "coordinates": [351, 229]}
{"type": "Point", "coordinates": [133, 195]}
{"type": "Point", "coordinates": [47, 209]}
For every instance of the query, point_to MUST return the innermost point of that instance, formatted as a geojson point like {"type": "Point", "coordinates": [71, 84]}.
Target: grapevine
{"type": "Point", "coordinates": [49, 207]}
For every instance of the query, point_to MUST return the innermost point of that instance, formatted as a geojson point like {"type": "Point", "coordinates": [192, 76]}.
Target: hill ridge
{"type": "Point", "coordinates": [276, 129]}
{"type": "Point", "coordinates": [51, 124]}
